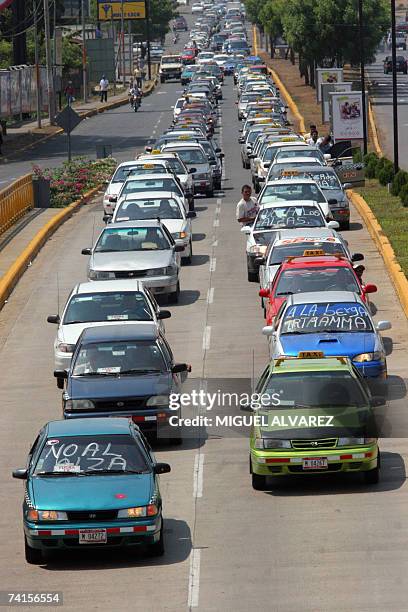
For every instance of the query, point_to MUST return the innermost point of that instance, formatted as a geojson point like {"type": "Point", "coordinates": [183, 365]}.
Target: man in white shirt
{"type": "Point", "coordinates": [103, 88]}
{"type": "Point", "coordinates": [247, 207]}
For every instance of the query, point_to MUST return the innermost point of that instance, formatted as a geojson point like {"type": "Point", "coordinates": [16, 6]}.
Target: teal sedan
{"type": "Point", "coordinates": [91, 483]}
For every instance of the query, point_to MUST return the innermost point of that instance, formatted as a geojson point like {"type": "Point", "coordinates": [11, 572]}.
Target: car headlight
{"type": "Point", "coordinates": [65, 348]}
{"type": "Point", "coordinates": [271, 443]}
{"type": "Point", "coordinates": [179, 235]}
{"type": "Point", "coordinates": [79, 404]}
{"type": "Point", "coordinates": [46, 515]}
{"type": "Point", "coordinates": [92, 274]}
{"type": "Point", "coordinates": [158, 401]}
{"type": "Point", "coordinates": [100, 275]}
{"type": "Point", "coordinates": [139, 511]}
{"type": "Point", "coordinates": [364, 357]}
{"type": "Point", "coordinates": [355, 441]}
{"type": "Point", "coordinates": [202, 176]}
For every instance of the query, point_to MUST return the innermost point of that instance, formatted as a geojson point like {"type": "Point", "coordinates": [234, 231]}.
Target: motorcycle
{"type": "Point", "coordinates": [137, 103]}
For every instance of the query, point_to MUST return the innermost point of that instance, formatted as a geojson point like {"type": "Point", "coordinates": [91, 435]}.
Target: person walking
{"type": "Point", "coordinates": [137, 74]}
{"type": "Point", "coordinates": [69, 93]}
{"type": "Point", "coordinates": [247, 207]}
{"type": "Point", "coordinates": [103, 88]}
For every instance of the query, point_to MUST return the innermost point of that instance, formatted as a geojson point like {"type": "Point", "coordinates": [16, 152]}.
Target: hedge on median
{"type": "Point", "coordinates": [73, 179]}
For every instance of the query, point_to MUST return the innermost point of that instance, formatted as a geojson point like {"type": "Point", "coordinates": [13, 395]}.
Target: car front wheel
{"type": "Point", "coordinates": [174, 297]}
{"type": "Point", "coordinates": [157, 549]}
{"type": "Point", "coordinates": [33, 556]}
{"type": "Point", "coordinates": [258, 482]}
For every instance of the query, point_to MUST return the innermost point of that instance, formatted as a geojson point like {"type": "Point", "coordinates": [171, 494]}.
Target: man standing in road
{"type": "Point", "coordinates": [247, 207]}
{"type": "Point", "coordinates": [137, 73]}
{"type": "Point", "coordinates": [103, 88]}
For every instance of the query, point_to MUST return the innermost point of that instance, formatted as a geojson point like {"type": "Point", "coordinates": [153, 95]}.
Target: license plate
{"type": "Point", "coordinates": [92, 536]}
{"type": "Point", "coordinates": [317, 463]}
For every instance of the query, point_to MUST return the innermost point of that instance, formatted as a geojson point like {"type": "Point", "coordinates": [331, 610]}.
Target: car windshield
{"type": "Point", "coordinates": [281, 170]}
{"type": "Point", "coordinates": [132, 239]}
{"type": "Point", "coordinates": [122, 173]}
{"type": "Point", "coordinates": [316, 279]}
{"type": "Point", "coordinates": [118, 358]}
{"type": "Point", "coordinates": [148, 169]}
{"type": "Point", "coordinates": [94, 453]}
{"type": "Point", "coordinates": [157, 184]}
{"type": "Point", "coordinates": [112, 306]}
{"type": "Point", "coordinates": [191, 156]}
{"type": "Point", "coordinates": [325, 179]}
{"type": "Point", "coordinates": [330, 317]}
{"type": "Point", "coordinates": [289, 216]}
{"type": "Point", "coordinates": [166, 208]}
{"type": "Point", "coordinates": [174, 59]}
{"type": "Point", "coordinates": [294, 193]}
{"type": "Point", "coordinates": [298, 153]}
{"type": "Point", "coordinates": [315, 389]}
{"type": "Point", "coordinates": [176, 166]}
{"type": "Point", "coordinates": [280, 252]}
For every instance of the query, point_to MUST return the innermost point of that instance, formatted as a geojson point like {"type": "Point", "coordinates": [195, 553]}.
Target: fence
{"type": "Point", "coordinates": [18, 91]}
{"type": "Point", "coordinates": [15, 201]}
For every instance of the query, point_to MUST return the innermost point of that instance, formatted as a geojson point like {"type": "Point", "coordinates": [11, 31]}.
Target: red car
{"type": "Point", "coordinates": [314, 272]}
{"type": "Point", "coordinates": [188, 56]}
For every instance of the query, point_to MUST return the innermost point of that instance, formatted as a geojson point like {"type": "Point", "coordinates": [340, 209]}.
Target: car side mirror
{"type": "Point", "coordinates": [53, 319]}
{"type": "Point", "coordinates": [213, 162]}
{"type": "Point", "coordinates": [370, 288]}
{"type": "Point", "coordinates": [107, 218]}
{"type": "Point", "coordinates": [267, 164]}
{"type": "Point", "coordinates": [377, 400]}
{"type": "Point", "coordinates": [191, 214]}
{"type": "Point", "coordinates": [164, 314]}
{"type": "Point", "coordinates": [161, 468]}
{"type": "Point", "coordinates": [178, 248]}
{"type": "Point", "coordinates": [333, 225]}
{"type": "Point", "coordinates": [246, 230]}
{"type": "Point", "coordinates": [61, 374]}
{"type": "Point", "coordinates": [113, 198]}
{"type": "Point", "coordinates": [218, 150]}
{"type": "Point", "coordinates": [178, 368]}
{"type": "Point", "coordinates": [347, 185]}
{"type": "Point", "coordinates": [86, 251]}
{"type": "Point", "coordinates": [327, 156]}
{"type": "Point", "coordinates": [267, 331]}
{"type": "Point", "coordinates": [21, 473]}
{"type": "Point", "coordinates": [357, 257]}
{"type": "Point", "coordinates": [192, 170]}
{"type": "Point", "coordinates": [383, 326]}
{"type": "Point", "coordinates": [221, 155]}
{"type": "Point", "coordinates": [259, 261]}
{"type": "Point", "coordinates": [332, 201]}
{"type": "Point", "coordinates": [241, 140]}
{"type": "Point", "coordinates": [264, 293]}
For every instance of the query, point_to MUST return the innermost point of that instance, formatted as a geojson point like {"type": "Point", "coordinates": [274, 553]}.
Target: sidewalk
{"type": "Point", "coordinates": [28, 134]}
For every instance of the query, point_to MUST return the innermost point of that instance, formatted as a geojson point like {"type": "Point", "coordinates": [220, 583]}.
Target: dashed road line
{"type": "Point", "coordinates": [210, 295]}
{"type": "Point", "coordinates": [213, 264]}
{"type": "Point", "coordinates": [207, 338]}
{"type": "Point", "coordinates": [198, 475]}
{"type": "Point", "coordinates": [194, 578]}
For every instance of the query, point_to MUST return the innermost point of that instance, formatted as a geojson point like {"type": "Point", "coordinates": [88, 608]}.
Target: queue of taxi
{"type": "Point", "coordinates": [92, 480]}
{"type": "Point", "coordinates": [324, 345]}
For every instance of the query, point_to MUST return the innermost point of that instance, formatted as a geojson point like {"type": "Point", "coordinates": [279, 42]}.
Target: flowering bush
{"type": "Point", "coordinates": [71, 180]}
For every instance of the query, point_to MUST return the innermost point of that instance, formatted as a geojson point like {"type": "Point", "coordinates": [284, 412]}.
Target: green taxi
{"type": "Point", "coordinates": [314, 416]}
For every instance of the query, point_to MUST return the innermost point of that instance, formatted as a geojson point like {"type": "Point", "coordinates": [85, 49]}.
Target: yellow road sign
{"type": "Point", "coordinates": [113, 10]}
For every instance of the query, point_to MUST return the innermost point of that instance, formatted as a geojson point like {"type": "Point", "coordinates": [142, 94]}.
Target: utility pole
{"type": "Point", "coordinates": [37, 65]}
{"type": "Point", "coordinates": [149, 63]}
{"type": "Point", "coordinates": [362, 73]}
{"type": "Point", "coordinates": [50, 83]}
{"type": "Point", "coordinates": [114, 58]}
{"type": "Point", "coordinates": [394, 88]}
{"type": "Point", "coordinates": [122, 29]}
{"type": "Point", "coordinates": [84, 79]}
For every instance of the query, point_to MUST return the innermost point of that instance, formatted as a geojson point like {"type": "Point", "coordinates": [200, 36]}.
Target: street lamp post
{"type": "Point", "coordinates": [50, 83]}
{"type": "Point", "coordinates": [362, 73]}
{"type": "Point", "coordinates": [394, 87]}
{"type": "Point", "coordinates": [84, 79]}
{"type": "Point", "coordinates": [37, 65]}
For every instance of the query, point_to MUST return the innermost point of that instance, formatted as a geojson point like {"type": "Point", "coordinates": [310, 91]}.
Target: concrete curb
{"type": "Point", "coordinates": [289, 100]}
{"type": "Point", "coordinates": [9, 280]}
{"type": "Point", "coordinates": [384, 247]}
{"type": "Point", "coordinates": [371, 119]}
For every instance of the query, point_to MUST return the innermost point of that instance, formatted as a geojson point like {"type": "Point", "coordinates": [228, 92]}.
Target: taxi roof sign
{"type": "Point", "coordinates": [313, 252]}
{"type": "Point", "coordinates": [148, 166]}
{"type": "Point", "coordinates": [311, 355]}
{"type": "Point", "coordinates": [156, 151]}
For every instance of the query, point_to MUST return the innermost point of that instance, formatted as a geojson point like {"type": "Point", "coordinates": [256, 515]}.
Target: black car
{"type": "Point", "coordinates": [401, 64]}
{"type": "Point", "coordinates": [180, 24]}
{"type": "Point", "coordinates": [124, 370]}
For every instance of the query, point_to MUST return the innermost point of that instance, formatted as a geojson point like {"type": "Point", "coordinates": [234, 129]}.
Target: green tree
{"type": "Point", "coordinates": [270, 17]}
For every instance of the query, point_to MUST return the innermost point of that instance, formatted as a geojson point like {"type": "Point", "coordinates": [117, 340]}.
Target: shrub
{"type": "Point", "coordinates": [400, 179]}
{"type": "Point", "coordinates": [380, 163]}
{"type": "Point", "coordinates": [369, 157]}
{"type": "Point", "coordinates": [404, 195]}
{"type": "Point", "coordinates": [386, 174]}
{"type": "Point", "coordinates": [370, 169]}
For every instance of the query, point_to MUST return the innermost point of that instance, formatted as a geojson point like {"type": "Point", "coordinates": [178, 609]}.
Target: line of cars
{"type": "Point", "coordinates": [92, 480]}
{"type": "Point", "coordinates": [327, 357]}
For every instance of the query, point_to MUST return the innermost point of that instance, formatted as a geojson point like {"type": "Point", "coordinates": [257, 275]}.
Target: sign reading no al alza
{"type": "Point", "coordinates": [108, 11]}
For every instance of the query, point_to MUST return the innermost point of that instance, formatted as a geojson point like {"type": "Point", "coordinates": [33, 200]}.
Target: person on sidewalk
{"type": "Point", "coordinates": [247, 207]}
{"type": "Point", "coordinates": [313, 138]}
{"type": "Point", "coordinates": [312, 128]}
{"type": "Point", "coordinates": [69, 93]}
{"type": "Point", "coordinates": [103, 88]}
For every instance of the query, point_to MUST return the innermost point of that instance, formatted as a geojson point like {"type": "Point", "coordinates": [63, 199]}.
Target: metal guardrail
{"type": "Point", "coordinates": [15, 201]}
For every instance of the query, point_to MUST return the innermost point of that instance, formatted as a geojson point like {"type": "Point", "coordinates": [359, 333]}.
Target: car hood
{"type": "Point", "coordinates": [91, 492]}
{"type": "Point", "coordinates": [70, 333]}
{"type": "Point", "coordinates": [200, 168]}
{"type": "Point", "coordinates": [346, 343]}
{"type": "Point", "coordinates": [130, 260]}
{"type": "Point", "coordinates": [116, 387]}
{"type": "Point", "coordinates": [334, 194]}
{"type": "Point", "coordinates": [113, 189]}
{"type": "Point", "coordinates": [264, 238]}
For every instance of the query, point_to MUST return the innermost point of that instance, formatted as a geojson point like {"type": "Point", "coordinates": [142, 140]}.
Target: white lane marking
{"type": "Point", "coordinates": [218, 202]}
{"type": "Point", "coordinates": [217, 210]}
{"type": "Point", "coordinates": [207, 338]}
{"type": "Point", "coordinates": [210, 295]}
{"type": "Point", "coordinates": [215, 243]}
{"type": "Point", "coordinates": [160, 93]}
{"type": "Point", "coordinates": [213, 264]}
{"type": "Point", "coordinates": [198, 475]}
{"type": "Point", "coordinates": [194, 578]}
{"type": "Point", "coordinates": [154, 131]}
{"type": "Point", "coordinates": [216, 223]}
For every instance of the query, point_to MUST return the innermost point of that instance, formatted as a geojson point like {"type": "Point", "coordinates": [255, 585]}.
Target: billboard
{"type": "Point", "coordinates": [346, 115]}
{"type": "Point", "coordinates": [327, 75]}
{"type": "Point", "coordinates": [112, 10]}
{"type": "Point", "coordinates": [326, 89]}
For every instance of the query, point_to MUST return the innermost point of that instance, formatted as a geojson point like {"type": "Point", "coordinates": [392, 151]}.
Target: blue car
{"type": "Point", "coordinates": [91, 483]}
{"type": "Point", "coordinates": [336, 323]}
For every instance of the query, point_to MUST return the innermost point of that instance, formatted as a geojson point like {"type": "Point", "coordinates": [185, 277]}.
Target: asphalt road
{"type": "Point", "coordinates": [317, 544]}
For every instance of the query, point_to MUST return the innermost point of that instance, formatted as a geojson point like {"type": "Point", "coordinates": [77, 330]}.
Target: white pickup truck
{"type": "Point", "coordinates": [171, 67]}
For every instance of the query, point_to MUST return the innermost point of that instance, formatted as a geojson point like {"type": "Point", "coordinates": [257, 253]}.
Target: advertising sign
{"type": "Point", "coordinates": [326, 88]}
{"type": "Point", "coordinates": [346, 115]}
{"type": "Point", "coordinates": [327, 75]}
{"type": "Point", "coordinates": [108, 11]}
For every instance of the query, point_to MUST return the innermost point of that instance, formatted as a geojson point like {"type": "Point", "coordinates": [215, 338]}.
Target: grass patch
{"type": "Point", "coordinates": [392, 217]}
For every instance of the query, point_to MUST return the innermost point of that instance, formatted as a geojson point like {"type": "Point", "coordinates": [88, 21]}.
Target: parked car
{"type": "Point", "coordinates": [401, 64]}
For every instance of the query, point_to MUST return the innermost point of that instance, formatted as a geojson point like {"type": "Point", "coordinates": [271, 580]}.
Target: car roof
{"type": "Point", "coordinates": [306, 262]}
{"type": "Point", "coordinates": [133, 224]}
{"type": "Point", "coordinates": [312, 168]}
{"type": "Point", "coordinates": [150, 195]}
{"type": "Point", "coordinates": [291, 181]}
{"type": "Point", "coordinates": [328, 296]}
{"type": "Point", "coordinates": [116, 333]}
{"type": "Point", "coordinates": [153, 175]}
{"type": "Point", "coordinates": [310, 365]}
{"type": "Point", "coordinates": [297, 160]}
{"type": "Point", "coordinates": [86, 427]}
{"type": "Point", "coordinates": [183, 145]}
{"type": "Point", "coordinates": [108, 286]}
{"type": "Point", "coordinates": [318, 232]}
